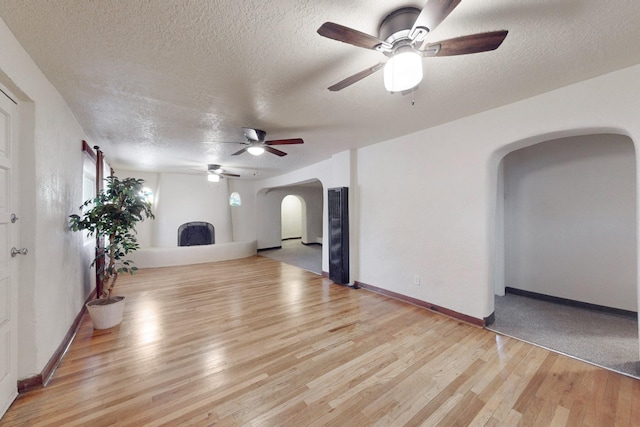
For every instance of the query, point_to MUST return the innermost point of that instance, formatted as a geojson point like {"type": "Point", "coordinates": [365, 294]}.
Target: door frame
{"type": "Point", "coordinates": [9, 382]}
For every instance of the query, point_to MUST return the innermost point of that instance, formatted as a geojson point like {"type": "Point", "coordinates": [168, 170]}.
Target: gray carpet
{"type": "Point", "coordinates": [606, 340]}
{"type": "Point", "coordinates": [293, 252]}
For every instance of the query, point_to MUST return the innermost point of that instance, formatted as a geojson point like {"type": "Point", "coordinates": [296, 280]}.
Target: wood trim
{"type": "Point", "coordinates": [30, 383]}
{"type": "Point", "coordinates": [325, 274]}
{"type": "Point", "coordinates": [99, 241]}
{"type": "Point", "coordinates": [88, 151]}
{"type": "Point", "coordinates": [572, 303]}
{"type": "Point", "coordinates": [268, 249]}
{"type": "Point", "coordinates": [423, 304]}
{"type": "Point", "coordinates": [490, 319]}
{"type": "Point", "coordinates": [43, 378]}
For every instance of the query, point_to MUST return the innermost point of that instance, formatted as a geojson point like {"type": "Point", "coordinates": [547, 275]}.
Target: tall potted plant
{"type": "Point", "coordinates": [112, 214]}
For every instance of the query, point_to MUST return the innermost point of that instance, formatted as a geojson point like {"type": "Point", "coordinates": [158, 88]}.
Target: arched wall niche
{"type": "Point", "coordinates": [499, 154]}
{"type": "Point", "coordinates": [294, 217]}
{"type": "Point", "coordinates": [605, 160]}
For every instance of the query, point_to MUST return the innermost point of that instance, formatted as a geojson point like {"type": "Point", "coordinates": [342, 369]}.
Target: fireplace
{"type": "Point", "coordinates": [196, 233]}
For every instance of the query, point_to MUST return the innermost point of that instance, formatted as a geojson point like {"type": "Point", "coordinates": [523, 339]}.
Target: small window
{"type": "Point", "coordinates": [234, 199]}
{"type": "Point", "coordinates": [147, 194]}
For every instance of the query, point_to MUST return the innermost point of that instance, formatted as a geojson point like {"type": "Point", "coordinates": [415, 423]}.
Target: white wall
{"type": "Point", "coordinates": [185, 198]}
{"type": "Point", "coordinates": [291, 217]}
{"type": "Point", "coordinates": [313, 205]}
{"type": "Point", "coordinates": [438, 219]}
{"type": "Point", "coordinates": [50, 288]}
{"type": "Point", "coordinates": [499, 266]}
{"type": "Point", "coordinates": [243, 218]}
{"type": "Point", "coordinates": [180, 198]}
{"type": "Point", "coordinates": [570, 220]}
{"type": "Point", "coordinates": [187, 255]}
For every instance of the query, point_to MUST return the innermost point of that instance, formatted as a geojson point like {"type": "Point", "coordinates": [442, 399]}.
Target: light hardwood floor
{"type": "Point", "coordinates": [259, 343]}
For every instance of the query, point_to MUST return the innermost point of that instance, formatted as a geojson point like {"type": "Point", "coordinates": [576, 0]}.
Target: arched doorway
{"type": "Point", "coordinates": [291, 214]}
{"type": "Point", "coordinates": [290, 227]}
{"type": "Point", "coordinates": [566, 248]}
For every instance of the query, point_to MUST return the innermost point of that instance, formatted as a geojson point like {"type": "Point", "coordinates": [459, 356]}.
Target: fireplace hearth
{"type": "Point", "coordinates": [196, 233]}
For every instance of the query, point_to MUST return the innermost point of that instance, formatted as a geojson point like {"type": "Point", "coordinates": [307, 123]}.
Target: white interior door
{"type": "Point", "coordinates": [8, 268]}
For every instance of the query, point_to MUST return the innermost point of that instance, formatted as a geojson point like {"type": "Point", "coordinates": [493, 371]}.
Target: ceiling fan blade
{"type": "Point", "coordinates": [348, 35]}
{"type": "Point", "coordinates": [433, 13]}
{"type": "Point", "coordinates": [274, 151]}
{"type": "Point", "coordinates": [285, 141]}
{"type": "Point", "coordinates": [473, 43]}
{"type": "Point", "coordinates": [240, 152]}
{"type": "Point", "coordinates": [356, 77]}
{"type": "Point", "coordinates": [230, 174]}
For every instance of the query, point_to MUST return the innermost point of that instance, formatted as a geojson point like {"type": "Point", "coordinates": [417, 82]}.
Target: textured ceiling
{"type": "Point", "coordinates": [160, 85]}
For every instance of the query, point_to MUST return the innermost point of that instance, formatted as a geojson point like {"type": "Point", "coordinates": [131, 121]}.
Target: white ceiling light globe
{"type": "Point", "coordinates": [256, 150]}
{"type": "Point", "coordinates": [403, 71]}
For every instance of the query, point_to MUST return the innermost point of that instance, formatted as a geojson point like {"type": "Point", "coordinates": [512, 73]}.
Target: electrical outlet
{"type": "Point", "coordinates": [416, 280]}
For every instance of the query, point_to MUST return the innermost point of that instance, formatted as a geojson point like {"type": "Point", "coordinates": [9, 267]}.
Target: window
{"type": "Point", "coordinates": [147, 194]}
{"type": "Point", "coordinates": [88, 188]}
{"type": "Point", "coordinates": [234, 199]}
{"type": "Point", "coordinates": [88, 191]}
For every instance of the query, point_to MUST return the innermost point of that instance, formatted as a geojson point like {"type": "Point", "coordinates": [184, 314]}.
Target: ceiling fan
{"type": "Point", "coordinates": [257, 145]}
{"type": "Point", "coordinates": [215, 173]}
{"type": "Point", "coordinates": [401, 37]}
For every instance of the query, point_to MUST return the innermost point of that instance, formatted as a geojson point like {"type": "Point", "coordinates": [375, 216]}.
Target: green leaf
{"type": "Point", "coordinates": [112, 214]}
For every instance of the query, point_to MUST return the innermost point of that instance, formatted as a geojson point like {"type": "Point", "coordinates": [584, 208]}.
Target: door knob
{"type": "Point", "coordinates": [22, 251]}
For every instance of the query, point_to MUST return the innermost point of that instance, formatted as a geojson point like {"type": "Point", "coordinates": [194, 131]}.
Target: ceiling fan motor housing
{"type": "Point", "coordinates": [254, 135]}
{"type": "Point", "coordinates": [398, 24]}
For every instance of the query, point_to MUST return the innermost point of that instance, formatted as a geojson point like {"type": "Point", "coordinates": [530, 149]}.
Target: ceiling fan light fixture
{"type": "Point", "coordinates": [403, 70]}
{"type": "Point", "coordinates": [212, 177]}
{"type": "Point", "coordinates": [256, 150]}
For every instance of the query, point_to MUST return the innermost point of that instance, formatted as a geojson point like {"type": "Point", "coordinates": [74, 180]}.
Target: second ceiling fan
{"type": "Point", "coordinates": [215, 173]}
{"type": "Point", "coordinates": [401, 38]}
{"type": "Point", "coordinates": [257, 145]}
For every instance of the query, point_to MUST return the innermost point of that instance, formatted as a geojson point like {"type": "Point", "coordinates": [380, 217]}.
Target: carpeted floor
{"type": "Point", "coordinates": [293, 252]}
{"type": "Point", "coordinates": [606, 340]}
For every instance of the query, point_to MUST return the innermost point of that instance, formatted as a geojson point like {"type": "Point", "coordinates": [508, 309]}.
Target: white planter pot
{"type": "Point", "coordinates": [106, 315]}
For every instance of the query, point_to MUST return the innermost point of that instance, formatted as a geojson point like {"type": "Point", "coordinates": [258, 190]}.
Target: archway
{"type": "Point", "coordinates": [566, 235]}
{"type": "Point", "coordinates": [290, 224]}
{"type": "Point", "coordinates": [293, 217]}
